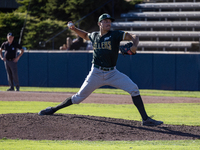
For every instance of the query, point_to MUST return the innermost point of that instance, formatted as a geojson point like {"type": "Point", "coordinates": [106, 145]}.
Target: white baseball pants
{"type": "Point", "coordinates": [98, 78]}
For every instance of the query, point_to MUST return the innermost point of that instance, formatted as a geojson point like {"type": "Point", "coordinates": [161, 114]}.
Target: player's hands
{"type": "Point", "coordinates": [71, 25]}
{"type": "Point", "coordinates": [16, 59]}
{"type": "Point", "coordinates": [4, 59]}
{"type": "Point", "coordinates": [133, 49]}
{"type": "Point", "coordinates": [128, 49]}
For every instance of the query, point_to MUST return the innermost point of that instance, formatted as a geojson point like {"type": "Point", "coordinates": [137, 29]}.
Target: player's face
{"type": "Point", "coordinates": [105, 24]}
{"type": "Point", "coordinates": [10, 38]}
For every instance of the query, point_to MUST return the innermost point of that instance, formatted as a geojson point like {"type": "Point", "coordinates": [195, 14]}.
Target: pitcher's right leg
{"type": "Point", "coordinates": [93, 81]}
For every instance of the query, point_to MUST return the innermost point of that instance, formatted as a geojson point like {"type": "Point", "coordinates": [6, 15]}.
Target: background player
{"type": "Point", "coordinates": [10, 59]}
{"type": "Point", "coordinates": [103, 71]}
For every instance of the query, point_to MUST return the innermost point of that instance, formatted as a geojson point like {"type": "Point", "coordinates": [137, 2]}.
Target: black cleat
{"type": "Point", "coordinates": [10, 89]}
{"type": "Point", "coordinates": [17, 89]}
{"type": "Point", "coordinates": [151, 122]}
{"type": "Point", "coordinates": [47, 111]}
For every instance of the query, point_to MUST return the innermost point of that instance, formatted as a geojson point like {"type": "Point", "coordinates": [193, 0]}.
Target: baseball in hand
{"type": "Point", "coordinates": [70, 24]}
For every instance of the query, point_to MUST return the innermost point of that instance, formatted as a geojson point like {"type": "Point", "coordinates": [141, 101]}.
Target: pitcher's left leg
{"type": "Point", "coordinates": [123, 82]}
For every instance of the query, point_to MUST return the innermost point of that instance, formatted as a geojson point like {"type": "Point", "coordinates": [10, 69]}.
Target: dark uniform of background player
{"type": "Point", "coordinates": [103, 71]}
{"type": "Point", "coordinates": [10, 59]}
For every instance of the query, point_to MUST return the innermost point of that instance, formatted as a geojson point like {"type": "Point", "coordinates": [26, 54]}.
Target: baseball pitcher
{"type": "Point", "coordinates": [106, 44]}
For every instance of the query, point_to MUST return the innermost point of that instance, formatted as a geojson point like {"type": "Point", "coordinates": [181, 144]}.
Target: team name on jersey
{"type": "Point", "coordinates": [103, 45]}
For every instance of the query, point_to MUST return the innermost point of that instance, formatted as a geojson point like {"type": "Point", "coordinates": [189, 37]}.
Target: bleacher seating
{"type": "Point", "coordinates": [167, 1]}
{"type": "Point", "coordinates": [166, 45]}
{"type": "Point", "coordinates": [166, 34]}
{"type": "Point", "coordinates": [154, 24]}
{"type": "Point", "coordinates": [162, 15]}
{"type": "Point", "coordinates": [170, 25]}
{"type": "Point", "coordinates": [168, 5]}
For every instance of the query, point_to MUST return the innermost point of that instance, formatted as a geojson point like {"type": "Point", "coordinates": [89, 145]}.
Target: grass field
{"type": "Point", "coordinates": [7, 144]}
{"type": "Point", "coordinates": [188, 114]}
{"type": "Point", "coordinates": [176, 114]}
{"type": "Point", "coordinates": [194, 94]}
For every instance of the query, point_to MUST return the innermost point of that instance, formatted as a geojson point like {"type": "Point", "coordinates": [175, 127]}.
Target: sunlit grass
{"type": "Point", "coordinates": [194, 94]}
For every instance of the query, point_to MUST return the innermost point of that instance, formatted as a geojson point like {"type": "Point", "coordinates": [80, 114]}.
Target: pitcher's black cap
{"type": "Point", "coordinates": [105, 16]}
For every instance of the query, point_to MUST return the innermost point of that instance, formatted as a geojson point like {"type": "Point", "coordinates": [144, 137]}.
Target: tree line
{"type": "Point", "coordinates": [46, 18]}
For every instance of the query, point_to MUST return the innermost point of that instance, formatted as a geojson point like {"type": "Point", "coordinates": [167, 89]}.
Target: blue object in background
{"type": "Point", "coordinates": [162, 71]}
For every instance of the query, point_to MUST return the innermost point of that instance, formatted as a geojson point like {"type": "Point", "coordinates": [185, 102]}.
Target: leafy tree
{"type": "Point", "coordinates": [74, 10]}
{"type": "Point", "coordinates": [45, 9]}
{"type": "Point", "coordinates": [55, 9]}
{"type": "Point", "coordinates": [35, 31]}
{"type": "Point", "coordinates": [43, 31]}
{"type": "Point", "coordinates": [36, 9]}
{"type": "Point", "coordinates": [10, 22]}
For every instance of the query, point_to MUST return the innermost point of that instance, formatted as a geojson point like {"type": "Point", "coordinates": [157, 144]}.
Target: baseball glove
{"type": "Point", "coordinates": [125, 49]}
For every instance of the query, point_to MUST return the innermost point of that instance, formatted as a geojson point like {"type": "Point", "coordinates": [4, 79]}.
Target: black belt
{"type": "Point", "coordinates": [104, 68]}
{"type": "Point", "coordinates": [10, 59]}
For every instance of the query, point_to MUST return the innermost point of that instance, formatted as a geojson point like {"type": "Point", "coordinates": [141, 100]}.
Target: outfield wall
{"type": "Point", "coordinates": [149, 70]}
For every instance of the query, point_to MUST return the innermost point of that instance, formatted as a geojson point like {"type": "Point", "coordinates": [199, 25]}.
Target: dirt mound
{"type": "Point", "coordinates": [79, 127]}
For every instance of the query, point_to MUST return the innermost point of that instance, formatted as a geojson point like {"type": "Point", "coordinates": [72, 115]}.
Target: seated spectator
{"type": "Point", "coordinates": [69, 42]}
{"type": "Point", "coordinates": [78, 44]}
{"type": "Point", "coordinates": [89, 46]}
{"type": "Point", "coordinates": [64, 47]}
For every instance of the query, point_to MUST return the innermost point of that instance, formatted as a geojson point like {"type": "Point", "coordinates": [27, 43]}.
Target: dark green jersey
{"type": "Point", "coordinates": [106, 48]}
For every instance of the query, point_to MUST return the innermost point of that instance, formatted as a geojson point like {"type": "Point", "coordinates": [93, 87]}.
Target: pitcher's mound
{"type": "Point", "coordinates": [79, 127]}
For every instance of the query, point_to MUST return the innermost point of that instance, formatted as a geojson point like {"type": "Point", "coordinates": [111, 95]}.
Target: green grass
{"type": "Point", "coordinates": [177, 114]}
{"type": "Point", "coordinates": [98, 145]}
{"type": "Point", "coordinates": [194, 94]}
